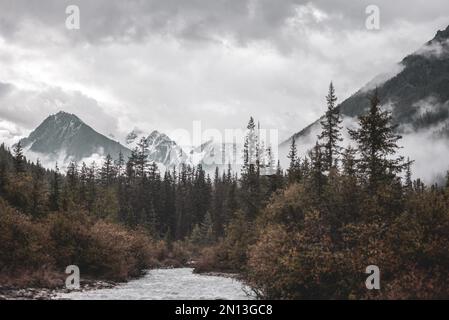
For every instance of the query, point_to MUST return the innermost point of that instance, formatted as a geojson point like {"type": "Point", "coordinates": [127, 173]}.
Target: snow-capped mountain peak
{"type": "Point", "coordinates": [65, 137]}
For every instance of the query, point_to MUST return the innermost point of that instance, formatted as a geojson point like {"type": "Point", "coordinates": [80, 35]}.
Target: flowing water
{"type": "Point", "coordinates": [168, 284]}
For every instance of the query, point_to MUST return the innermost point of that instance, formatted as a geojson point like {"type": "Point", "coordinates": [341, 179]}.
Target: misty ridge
{"type": "Point", "coordinates": [416, 93]}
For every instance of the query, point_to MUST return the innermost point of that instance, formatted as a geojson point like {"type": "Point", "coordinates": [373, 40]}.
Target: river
{"type": "Point", "coordinates": [168, 284]}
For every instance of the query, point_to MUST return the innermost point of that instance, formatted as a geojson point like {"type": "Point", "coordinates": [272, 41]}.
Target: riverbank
{"type": "Point", "coordinates": [11, 293]}
{"type": "Point", "coordinates": [162, 281]}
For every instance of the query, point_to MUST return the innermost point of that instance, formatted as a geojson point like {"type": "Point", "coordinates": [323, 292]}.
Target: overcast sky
{"type": "Point", "coordinates": [163, 64]}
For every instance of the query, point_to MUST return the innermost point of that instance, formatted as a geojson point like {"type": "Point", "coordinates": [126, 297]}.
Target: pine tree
{"type": "Point", "coordinates": [217, 207]}
{"type": "Point", "coordinates": [83, 183]}
{"type": "Point", "coordinates": [250, 152]}
{"type": "Point", "coordinates": [39, 191]}
{"type": "Point", "coordinates": [318, 166]}
{"type": "Point", "coordinates": [19, 159]}
{"type": "Point", "coordinates": [331, 128]}
{"type": "Point", "coordinates": [141, 161]}
{"type": "Point", "coordinates": [91, 187]}
{"type": "Point", "coordinates": [294, 169]}
{"type": "Point", "coordinates": [72, 177]}
{"type": "Point", "coordinates": [107, 171]}
{"type": "Point", "coordinates": [120, 165]}
{"type": "Point", "coordinates": [377, 145]}
{"type": "Point", "coordinates": [131, 166]}
{"type": "Point", "coordinates": [250, 177]}
{"type": "Point", "coordinates": [168, 214]}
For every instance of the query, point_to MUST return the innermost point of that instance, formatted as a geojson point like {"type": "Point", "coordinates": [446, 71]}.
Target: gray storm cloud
{"type": "Point", "coordinates": [164, 64]}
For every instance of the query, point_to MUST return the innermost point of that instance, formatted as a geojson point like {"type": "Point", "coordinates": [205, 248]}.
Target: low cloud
{"type": "Point", "coordinates": [435, 49]}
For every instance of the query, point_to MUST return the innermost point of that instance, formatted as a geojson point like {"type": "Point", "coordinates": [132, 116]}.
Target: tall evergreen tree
{"type": "Point", "coordinates": [39, 191]}
{"type": "Point", "coordinates": [19, 159]}
{"type": "Point", "coordinates": [250, 177]}
{"type": "Point", "coordinates": [55, 192]}
{"type": "Point", "coordinates": [318, 166]}
{"type": "Point", "coordinates": [84, 172]}
{"type": "Point", "coordinates": [294, 169]}
{"type": "Point", "coordinates": [107, 171]}
{"type": "Point", "coordinates": [141, 161]}
{"type": "Point", "coordinates": [120, 165]}
{"type": "Point", "coordinates": [331, 129]}
{"type": "Point", "coordinates": [377, 145]}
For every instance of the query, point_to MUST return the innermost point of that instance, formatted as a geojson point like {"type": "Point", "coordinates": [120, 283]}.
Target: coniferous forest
{"type": "Point", "coordinates": [306, 231]}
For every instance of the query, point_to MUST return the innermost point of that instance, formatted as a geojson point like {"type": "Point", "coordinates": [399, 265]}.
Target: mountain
{"type": "Point", "coordinates": [161, 149]}
{"type": "Point", "coordinates": [65, 137]}
{"type": "Point", "coordinates": [164, 150]}
{"type": "Point", "coordinates": [417, 94]}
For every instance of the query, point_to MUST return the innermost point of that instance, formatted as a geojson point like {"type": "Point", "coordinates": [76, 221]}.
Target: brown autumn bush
{"type": "Point", "coordinates": [99, 248]}
{"type": "Point", "coordinates": [295, 264]}
{"type": "Point", "coordinates": [23, 243]}
{"type": "Point", "coordinates": [305, 259]}
{"type": "Point", "coordinates": [115, 253]}
{"type": "Point", "coordinates": [69, 238]}
{"type": "Point", "coordinates": [36, 252]}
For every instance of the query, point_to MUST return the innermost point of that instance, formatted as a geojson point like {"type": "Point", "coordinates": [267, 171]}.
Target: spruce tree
{"type": "Point", "coordinates": [318, 166]}
{"type": "Point", "coordinates": [120, 165]}
{"type": "Point", "coordinates": [107, 171]}
{"type": "Point", "coordinates": [141, 161]}
{"type": "Point", "coordinates": [83, 183]}
{"type": "Point", "coordinates": [377, 145]}
{"type": "Point", "coordinates": [39, 191]}
{"type": "Point", "coordinates": [250, 177]}
{"type": "Point", "coordinates": [331, 129]}
{"type": "Point", "coordinates": [294, 169]}
{"type": "Point", "coordinates": [55, 192]}
{"type": "Point", "coordinates": [19, 159]}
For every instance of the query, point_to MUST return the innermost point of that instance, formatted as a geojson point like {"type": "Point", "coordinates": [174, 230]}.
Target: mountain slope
{"type": "Point", "coordinates": [418, 95]}
{"type": "Point", "coordinates": [65, 136]}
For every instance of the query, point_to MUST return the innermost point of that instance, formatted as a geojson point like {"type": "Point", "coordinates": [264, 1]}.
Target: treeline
{"type": "Point", "coordinates": [180, 203]}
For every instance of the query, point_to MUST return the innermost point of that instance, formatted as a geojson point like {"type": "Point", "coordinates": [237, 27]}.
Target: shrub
{"type": "Point", "coordinates": [36, 252]}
